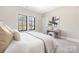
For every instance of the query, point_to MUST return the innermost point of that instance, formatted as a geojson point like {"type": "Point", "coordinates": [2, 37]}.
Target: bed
{"type": "Point", "coordinates": [35, 42]}
{"type": "Point", "coordinates": [32, 44]}
{"type": "Point", "coordinates": [13, 41]}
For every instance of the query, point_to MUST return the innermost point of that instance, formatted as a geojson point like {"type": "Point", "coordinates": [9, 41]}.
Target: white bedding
{"type": "Point", "coordinates": [48, 40]}
{"type": "Point", "coordinates": [27, 44]}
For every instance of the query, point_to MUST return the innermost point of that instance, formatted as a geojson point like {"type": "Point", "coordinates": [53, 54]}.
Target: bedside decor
{"type": "Point", "coordinates": [54, 33]}
{"type": "Point", "coordinates": [53, 27]}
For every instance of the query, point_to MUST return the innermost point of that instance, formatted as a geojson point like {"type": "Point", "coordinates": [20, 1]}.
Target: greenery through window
{"type": "Point", "coordinates": [26, 23]}
{"type": "Point", "coordinates": [22, 22]}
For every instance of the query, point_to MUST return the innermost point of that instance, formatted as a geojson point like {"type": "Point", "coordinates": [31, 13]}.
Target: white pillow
{"type": "Point", "coordinates": [16, 35]}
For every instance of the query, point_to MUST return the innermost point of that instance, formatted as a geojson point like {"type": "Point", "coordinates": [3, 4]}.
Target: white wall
{"type": "Point", "coordinates": [9, 15]}
{"type": "Point", "coordinates": [69, 20]}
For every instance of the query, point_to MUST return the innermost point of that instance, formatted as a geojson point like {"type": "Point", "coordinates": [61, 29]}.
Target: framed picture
{"type": "Point", "coordinates": [55, 20]}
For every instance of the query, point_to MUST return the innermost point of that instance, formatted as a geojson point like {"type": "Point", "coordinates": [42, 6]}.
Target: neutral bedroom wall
{"type": "Point", "coordinates": [38, 22]}
{"type": "Point", "coordinates": [8, 16]}
{"type": "Point", "coordinates": [69, 20]}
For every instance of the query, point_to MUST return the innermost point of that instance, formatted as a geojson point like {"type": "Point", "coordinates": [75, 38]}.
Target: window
{"type": "Point", "coordinates": [26, 23]}
{"type": "Point", "coordinates": [31, 23]}
{"type": "Point", "coordinates": [22, 22]}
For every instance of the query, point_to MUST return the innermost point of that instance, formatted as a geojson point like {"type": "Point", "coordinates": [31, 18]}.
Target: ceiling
{"type": "Point", "coordinates": [41, 9]}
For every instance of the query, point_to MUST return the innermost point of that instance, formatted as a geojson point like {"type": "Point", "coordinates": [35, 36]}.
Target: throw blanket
{"type": "Point", "coordinates": [50, 46]}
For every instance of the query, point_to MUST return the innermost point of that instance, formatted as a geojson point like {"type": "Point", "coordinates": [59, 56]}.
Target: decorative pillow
{"type": "Point", "coordinates": [5, 37]}
{"type": "Point", "coordinates": [16, 35]}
